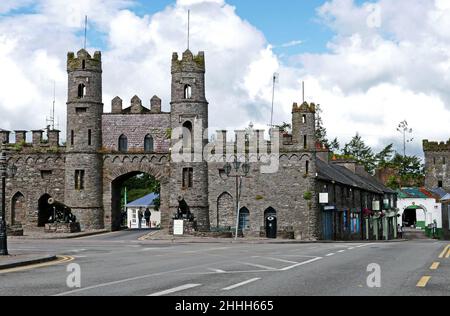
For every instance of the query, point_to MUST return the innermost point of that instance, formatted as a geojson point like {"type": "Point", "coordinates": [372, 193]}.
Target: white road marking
{"type": "Point", "coordinates": [258, 266]}
{"type": "Point", "coordinates": [341, 251]}
{"type": "Point", "coordinates": [330, 254]}
{"type": "Point", "coordinates": [149, 249]}
{"type": "Point", "coordinates": [177, 289]}
{"type": "Point", "coordinates": [216, 270]}
{"type": "Point", "coordinates": [351, 248]}
{"type": "Point", "coordinates": [279, 260]}
{"type": "Point", "coordinates": [365, 245]}
{"type": "Point", "coordinates": [232, 287]}
{"type": "Point", "coordinates": [301, 264]}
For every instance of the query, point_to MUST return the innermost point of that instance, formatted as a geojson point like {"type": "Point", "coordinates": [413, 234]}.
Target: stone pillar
{"type": "Point", "coordinates": [116, 105]}
{"type": "Point", "coordinates": [4, 136]}
{"type": "Point", "coordinates": [37, 138]}
{"type": "Point", "coordinates": [21, 136]}
{"type": "Point", "coordinates": [53, 138]}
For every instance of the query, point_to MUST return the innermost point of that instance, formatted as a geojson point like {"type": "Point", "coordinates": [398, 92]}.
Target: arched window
{"type": "Point", "coordinates": [81, 90]}
{"type": "Point", "coordinates": [83, 64]}
{"type": "Point", "coordinates": [187, 92]}
{"type": "Point", "coordinates": [244, 219]}
{"type": "Point", "coordinates": [304, 119]}
{"type": "Point", "coordinates": [188, 136]}
{"type": "Point", "coordinates": [123, 144]}
{"type": "Point", "coordinates": [149, 144]}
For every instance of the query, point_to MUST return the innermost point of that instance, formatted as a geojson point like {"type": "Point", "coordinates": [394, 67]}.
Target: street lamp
{"type": "Point", "coordinates": [404, 129]}
{"type": "Point", "coordinates": [4, 172]}
{"type": "Point", "coordinates": [241, 170]}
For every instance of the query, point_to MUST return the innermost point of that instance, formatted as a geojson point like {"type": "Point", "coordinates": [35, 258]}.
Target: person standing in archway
{"type": "Point", "coordinates": [147, 216]}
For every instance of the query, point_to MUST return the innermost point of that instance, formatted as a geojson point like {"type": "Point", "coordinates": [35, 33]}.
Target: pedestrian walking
{"type": "Point", "coordinates": [140, 216]}
{"type": "Point", "coordinates": [400, 231]}
{"type": "Point", "coordinates": [147, 216]}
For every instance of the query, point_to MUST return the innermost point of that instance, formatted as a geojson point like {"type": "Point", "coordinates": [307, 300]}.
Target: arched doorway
{"type": "Point", "coordinates": [134, 187]}
{"type": "Point", "coordinates": [18, 216]}
{"type": "Point", "coordinates": [271, 222]}
{"type": "Point", "coordinates": [45, 211]}
{"type": "Point", "coordinates": [244, 219]}
{"type": "Point", "coordinates": [225, 211]}
{"type": "Point", "coordinates": [414, 216]}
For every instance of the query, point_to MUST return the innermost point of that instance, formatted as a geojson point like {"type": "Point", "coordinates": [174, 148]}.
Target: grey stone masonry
{"type": "Point", "coordinates": [437, 164]}
{"type": "Point", "coordinates": [53, 138]}
{"type": "Point", "coordinates": [37, 137]}
{"type": "Point", "coordinates": [21, 136]}
{"type": "Point", "coordinates": [4, 136]}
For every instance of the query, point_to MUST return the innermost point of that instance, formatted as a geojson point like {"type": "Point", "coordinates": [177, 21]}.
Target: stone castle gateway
{"type": "Point", "coordinates": [103, 150]}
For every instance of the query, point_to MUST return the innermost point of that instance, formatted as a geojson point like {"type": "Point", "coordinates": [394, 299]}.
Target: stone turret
{"type": "Point", "coordinates": [303, 125]}
{"type": "Point", "coordinates": [4, 136]}
{"type": "Point", "coordinates": [83, 179]}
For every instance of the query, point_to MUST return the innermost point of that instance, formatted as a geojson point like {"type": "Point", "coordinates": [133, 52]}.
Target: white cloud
{"type": "Point", "coordinates": [372, 77]}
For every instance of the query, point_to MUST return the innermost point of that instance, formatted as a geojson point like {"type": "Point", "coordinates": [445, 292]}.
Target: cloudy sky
{"type": "Point", "coordinates": [369, 64]}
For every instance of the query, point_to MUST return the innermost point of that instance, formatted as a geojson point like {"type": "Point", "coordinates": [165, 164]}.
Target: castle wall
{"type": "Point", "coordinates": [37, 174]}
{"type": "Point", "coordinates": [135, 128]}
{"type": "Point", "coordinates": [284, 191]}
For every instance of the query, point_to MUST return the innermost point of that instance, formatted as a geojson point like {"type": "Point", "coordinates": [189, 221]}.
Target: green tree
{"type": "Point", "coordinates": [363, 154]}
{"type": "Point", "coordinates": [140, 186]}
{"type": "Point", "coordinates": [335, 146]}
{"type": "Point", "coordinates": [321, 131]}
{"type": "Point", "coordinates": [384, 157]}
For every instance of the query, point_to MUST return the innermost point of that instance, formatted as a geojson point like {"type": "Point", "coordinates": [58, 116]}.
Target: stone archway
{"type": "Point", "coordinates": [225, 211]}
{"type": "Point", "coordinates": [115, 175]}
{"type": "Point", "coordinates": [18, 209]}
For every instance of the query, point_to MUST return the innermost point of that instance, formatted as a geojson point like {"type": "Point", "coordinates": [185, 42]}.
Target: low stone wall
{"type": "Point", "coordinates": [62, 228]}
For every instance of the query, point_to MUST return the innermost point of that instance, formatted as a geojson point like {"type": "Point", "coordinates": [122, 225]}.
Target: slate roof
{"type": "Point", "coordinates": [146, 201]}
{"type": "Point", "coordinates": [342, 175]}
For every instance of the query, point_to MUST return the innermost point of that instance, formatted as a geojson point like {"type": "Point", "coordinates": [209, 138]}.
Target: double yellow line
{"type": "Point", "coordinates": [59, 260]}
{"type": "Point", "coordinates": [445, 253]}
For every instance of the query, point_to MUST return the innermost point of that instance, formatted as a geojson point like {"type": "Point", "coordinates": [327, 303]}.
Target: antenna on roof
{"type": "Point", "coordinates": [85, 31]}
{"type": "Point", "coordinates": [303, 91]}
{"type": "Point", "coordinates": [189, 29]}
{"type": "Point", "coordinates": [275, 79]}
{"type": "Point", "coordinates": [51, 119]}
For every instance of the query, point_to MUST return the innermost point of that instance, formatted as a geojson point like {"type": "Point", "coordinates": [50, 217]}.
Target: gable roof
{"type": "Point", "coordinates": [146, 201]}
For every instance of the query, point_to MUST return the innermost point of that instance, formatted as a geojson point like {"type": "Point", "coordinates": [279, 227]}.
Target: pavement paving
{"type": "Point", "coordinates": [120, 264]}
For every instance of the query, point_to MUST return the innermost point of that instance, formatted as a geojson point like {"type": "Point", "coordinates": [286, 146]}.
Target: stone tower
{"type": "Point", "coordinates": [437, 164]}
{"type": "Point", "coordinates": [304, 126]}
{"type": "Point", "coordinates": [83, 180]}
{"type": "Point", "coordinates": [189, 120]}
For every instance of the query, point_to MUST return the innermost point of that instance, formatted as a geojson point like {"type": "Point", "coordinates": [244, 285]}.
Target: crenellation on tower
{"type": "Point", "coordinates": [84, 61]}
{"type": "Point", "coordinates": [20, 136]}
{"type": "Point", "coordinates": [37, 137]}
{"type": "Point", "coordinates": [4, 136]}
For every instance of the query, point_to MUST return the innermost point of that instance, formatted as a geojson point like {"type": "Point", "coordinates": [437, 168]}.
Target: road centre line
{"type": "Point", "coordinates": [301, 264]}
{"type": "Point", "coordinates": [423, 281]}
{"type": "Point", "coordinates": [176, 289]}
{"type": "Point", "coordinates": [435, 266]}
{"type": "Point", "coordinates": [232, 287]}
{"type": "Point", "coordinates": [447, 248]}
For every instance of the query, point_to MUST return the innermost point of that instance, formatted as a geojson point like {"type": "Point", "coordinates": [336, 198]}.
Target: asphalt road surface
{"type": "Point", "coordinates": [118, 264]}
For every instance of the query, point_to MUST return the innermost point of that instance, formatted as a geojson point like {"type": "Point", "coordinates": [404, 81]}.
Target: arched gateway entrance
{"type": "Point", "coordinates": [114, 179]}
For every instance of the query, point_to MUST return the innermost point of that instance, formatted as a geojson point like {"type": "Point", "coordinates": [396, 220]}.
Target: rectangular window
{"type": "Point", "coordinates": [46, 174]}
{"type": "Point", "coordinates": [72, 137]}
{"type": "Point", "coordinates": [188, 178]}
{"type": "Point", "coordinates": [440, 184]}
{"type": "Point", "coordinates": [305, 142]}
{"type": "Point", "coordinates": [89, 137]}
{"type": "Point", "coordinates": [79, 179]}
{"type": "Point", "coordinates": [80, 110]}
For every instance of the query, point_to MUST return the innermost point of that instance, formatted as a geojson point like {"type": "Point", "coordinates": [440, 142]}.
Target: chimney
{"type": "Point", "coordinates": [37, 137]}
{"type": "Point", "coordinates": [116, 105]}
{"type": "Point", "coordinates": [21, 136]}
{"type": "Point", "coordinates": [155, 104]}
{"type": "Point", "coordinates": [53, 138]}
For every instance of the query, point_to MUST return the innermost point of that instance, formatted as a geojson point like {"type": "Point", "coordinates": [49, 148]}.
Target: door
{"type": "Point", "coordinates": [271, 227]}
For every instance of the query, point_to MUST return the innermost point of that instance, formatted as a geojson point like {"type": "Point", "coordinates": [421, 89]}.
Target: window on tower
{"type": "Point", "coordinates": [440, 184]}
{"type": "Point", "coordinates": [148, 144]}
{"type": "Point", "coordinates": [305, 142]}
{"type": "Point", "coordinates": [188, 178]}
{"type": "Point", "coordinates": [187, 92]}
{"type": "Point", "coordinates": [89, 137]}
{"type": "Point", "coordinates": [188, 136]}
{"type": "Point", "coordinates": [79, 179]}
{"type": "Point", "coordinates": [123, 144]}
{"type": "Point", "coordinates": [81, 90]}
{"type": "Point", "coordinates": [304, 119]}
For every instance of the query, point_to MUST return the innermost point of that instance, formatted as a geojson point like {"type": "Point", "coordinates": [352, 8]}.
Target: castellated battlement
{"type": "Point", "coordinates": [436, 146]}
{"type": "Point", "coordinates": [38, 140]}
{"type": "Point", "coordinates": [84, 61]}
{"type": "Point", "coordinates": [189, 62]}
{"type": "Point", "coordinates": [136, 106]}
{"type": "Point", "coordinates": [304, 108]}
